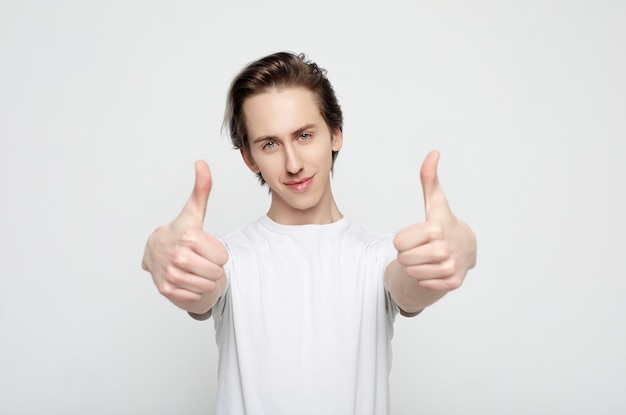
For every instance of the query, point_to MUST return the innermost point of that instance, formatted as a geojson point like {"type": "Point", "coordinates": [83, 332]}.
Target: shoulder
{"type": "Point", "coordinates": [367, 236]}
{"type": "Point", "coordinates": [245, 234]}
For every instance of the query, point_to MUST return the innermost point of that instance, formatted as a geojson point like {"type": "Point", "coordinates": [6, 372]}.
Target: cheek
{"type": "Point", "coordinates": [268, 168]}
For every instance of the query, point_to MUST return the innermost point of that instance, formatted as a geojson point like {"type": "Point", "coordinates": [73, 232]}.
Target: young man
{"type": "Point", "coordinates": [303, 299]}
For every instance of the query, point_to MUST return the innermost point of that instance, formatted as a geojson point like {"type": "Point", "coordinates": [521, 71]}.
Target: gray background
{"type": "Point", "coordinates": [104, 107]}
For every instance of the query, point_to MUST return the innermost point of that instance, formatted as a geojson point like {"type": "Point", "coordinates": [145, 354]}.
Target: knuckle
{"type": "Point", "coordinates": [449, 268]}
{"type": "Point", "coordinates": [215, 274]}
{"type": "Point", "coordinates": [442, 252]}
{"type": "Point", "coordinates": [413, 272]}
{"type": "Point", "coordinates": [399, 241]}
{"type": "Point", "coordinates": [437, 255]}
{"type": "Point", "coordinates": [172, 276]}
{"type": "Point", "coordinates": [222, 258]}
{"type": "Point", "coordinates": [436, 231]}
{"type": "Point", "coordinates": [165, 289]}
{"type": "Point", "coordinates": [188, 237]}
{"type": "Point", "coordinates": [180, 259]}
{"type": "Point", "coordinates": [210, 286]}
{"type": "Point", "coordinates": [454, 283]}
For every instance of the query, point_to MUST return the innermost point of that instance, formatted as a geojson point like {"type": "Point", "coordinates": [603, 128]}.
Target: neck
{"type": "Point", "coordinates": [322, 213]}
{"type": "Point", "coordinates": [307, 217]}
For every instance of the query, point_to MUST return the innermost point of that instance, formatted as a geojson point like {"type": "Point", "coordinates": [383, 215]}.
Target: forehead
{"type": "Point", "coordinates": [280, 111]}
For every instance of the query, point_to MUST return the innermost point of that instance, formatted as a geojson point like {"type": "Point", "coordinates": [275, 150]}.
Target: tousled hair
{"type": "Point", "coordinates": [278, 70]}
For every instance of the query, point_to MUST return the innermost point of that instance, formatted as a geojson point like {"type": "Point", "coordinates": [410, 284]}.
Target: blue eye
{"type": "Point", "coordinates": [304, 136]}
{"type": "Point", "coordinates": [269, 145]}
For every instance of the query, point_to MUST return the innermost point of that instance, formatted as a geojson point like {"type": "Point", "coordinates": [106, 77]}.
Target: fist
{"type": "Point", "coordinates": [187, 263]}
{"type": "Point", "coordinates": [439, 251]}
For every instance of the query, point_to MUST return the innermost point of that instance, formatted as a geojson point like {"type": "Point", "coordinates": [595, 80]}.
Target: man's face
{"type": "Point", "coordinates": [291, 146]}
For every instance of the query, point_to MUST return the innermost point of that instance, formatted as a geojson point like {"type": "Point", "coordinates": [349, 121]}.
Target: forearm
{"type": "Point", "coordinates": [206, 303]}
{"type": "Point", "coordinates": [407, 292]}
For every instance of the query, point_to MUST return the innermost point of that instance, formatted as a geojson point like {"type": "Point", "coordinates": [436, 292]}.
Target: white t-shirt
{"type": "Point", "coordinates": [305, 325]}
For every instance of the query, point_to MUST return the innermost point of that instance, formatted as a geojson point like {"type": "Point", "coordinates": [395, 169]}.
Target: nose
{"type": "Point", "coordinates": [293, 161]}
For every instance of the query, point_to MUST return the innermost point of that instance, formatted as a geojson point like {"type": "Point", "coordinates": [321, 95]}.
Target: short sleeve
{"type": "Point", "coordinates": [389, 255]}
{"type": "Point", "coordinates": [219, 305]}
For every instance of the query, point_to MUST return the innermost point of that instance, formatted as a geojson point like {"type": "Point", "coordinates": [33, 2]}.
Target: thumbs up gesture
{"type": "Point", "coordinates": [185, 262]}
{"type": "Point", "coordinates": [438, 252]}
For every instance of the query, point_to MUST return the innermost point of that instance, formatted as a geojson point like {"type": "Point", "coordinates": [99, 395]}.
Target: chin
{"type": "Point", "coordinates": [303, 206]}
{"type": "Point", "coordinates": [302, 203]}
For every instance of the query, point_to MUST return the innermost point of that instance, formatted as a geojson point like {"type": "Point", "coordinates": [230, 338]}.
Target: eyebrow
{"type": "Point", "coordinates": [273, 137]}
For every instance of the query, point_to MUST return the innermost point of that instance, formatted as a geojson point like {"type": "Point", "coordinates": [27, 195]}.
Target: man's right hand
{"type": "Point", "coordinates": [187, 264]}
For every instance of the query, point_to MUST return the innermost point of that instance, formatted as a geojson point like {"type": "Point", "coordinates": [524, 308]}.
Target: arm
{"type": "Point", "coordinates": [187, 264]}
{"type": "Point", "coordinates": [434, 256]}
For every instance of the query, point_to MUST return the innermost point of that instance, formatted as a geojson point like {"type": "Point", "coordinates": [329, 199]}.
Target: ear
{"type": "Point", "coordinates": [337, 139]}
{"type": "Point", "coordinates": [247, 158]}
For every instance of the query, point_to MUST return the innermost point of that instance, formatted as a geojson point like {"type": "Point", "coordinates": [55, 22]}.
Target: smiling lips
{"type": "Point", "coordinates": [299, 186]}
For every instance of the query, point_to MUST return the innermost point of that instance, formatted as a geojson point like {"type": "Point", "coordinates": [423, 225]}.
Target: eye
{"type": "Point", "coordinates": [304, 137]}
{"type": "Point", "coordinates": [269, 145]}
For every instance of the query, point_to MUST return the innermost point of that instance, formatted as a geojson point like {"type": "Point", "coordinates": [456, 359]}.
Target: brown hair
{"type": "Point", "coordinates": [279, 70]}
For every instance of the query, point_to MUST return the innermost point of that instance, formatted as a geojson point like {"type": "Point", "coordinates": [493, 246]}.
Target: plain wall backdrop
{"type": "Point", "coordinates": [105, 106]}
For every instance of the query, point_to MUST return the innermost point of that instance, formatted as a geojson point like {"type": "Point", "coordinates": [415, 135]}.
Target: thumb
{"type": "Point", "coordinates": [435, 201]}
{"type": "Point", "coordinates": [195, 208]}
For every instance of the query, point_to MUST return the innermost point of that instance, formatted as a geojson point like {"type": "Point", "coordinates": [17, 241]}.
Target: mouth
{"type": "Point", "coordinates": [301, 185]}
